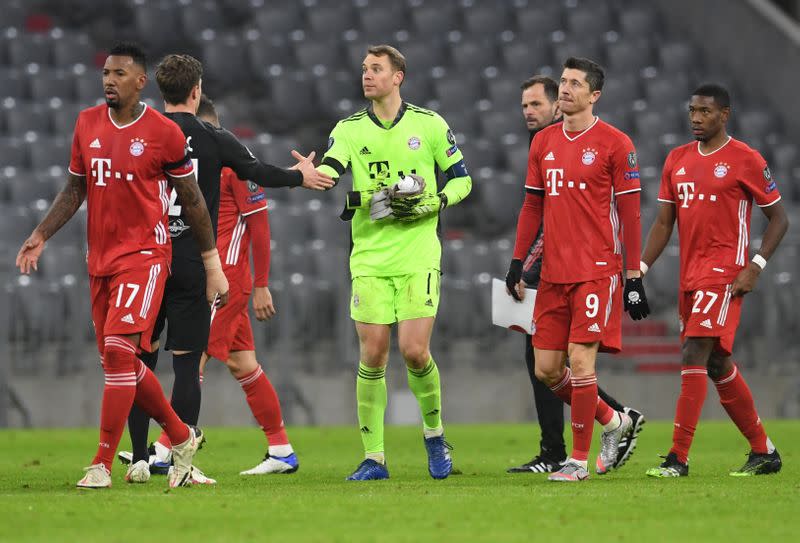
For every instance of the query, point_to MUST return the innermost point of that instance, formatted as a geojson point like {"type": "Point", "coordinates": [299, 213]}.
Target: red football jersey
{"type": "Point", "coordinates": [126, 186]}
{"type": "Point", "coordinates": [713, 196]}
{"type": "Point", "coordinates": [237, 199]}
{"type": "Point", "coordinates": [580, 175]}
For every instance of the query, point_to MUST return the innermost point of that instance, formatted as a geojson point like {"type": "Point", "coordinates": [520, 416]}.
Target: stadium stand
{"type": "Point", "coordinates": [283, 71]}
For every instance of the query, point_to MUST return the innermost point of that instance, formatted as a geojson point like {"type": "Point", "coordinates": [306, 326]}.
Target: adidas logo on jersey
{"type": "Point", "coordinates": [550, 156]}
{"type": "Point", "coordinates": [127, 319]}
{"type": "Point", "coordinates": [706, 323]}
{"type": "Point", "coordinates": [594, 328]}
{"type": "Point", "coordinates": [364, 151]}
{"type": "Point", "coordinates": [682, 171]}
{"type": "Point", "coordinates": [95, 144]}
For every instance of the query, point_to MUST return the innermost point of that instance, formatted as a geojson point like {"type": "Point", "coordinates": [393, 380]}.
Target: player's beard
{"type": "Point", "coordinates": [113, 103]}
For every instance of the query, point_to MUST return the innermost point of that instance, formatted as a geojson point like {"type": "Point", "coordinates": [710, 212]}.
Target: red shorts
{"type": "Point", "coordinates": [578, 313]}
{"type": "Point", "coordinates": [710, 312]}
{"type": "Point", "coordinates": [128, 303]}
{"type": "Point", "coordinates": [230, 327]}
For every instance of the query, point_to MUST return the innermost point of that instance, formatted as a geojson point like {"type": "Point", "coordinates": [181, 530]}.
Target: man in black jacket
{"type": "Point", "coordinates": [540, 109]}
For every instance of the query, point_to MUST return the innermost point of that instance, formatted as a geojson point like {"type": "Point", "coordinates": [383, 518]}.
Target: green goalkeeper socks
{"type": "Point", "coordinates": [424, 383]}
{"type": "Point", "coordinates": [371, 396]}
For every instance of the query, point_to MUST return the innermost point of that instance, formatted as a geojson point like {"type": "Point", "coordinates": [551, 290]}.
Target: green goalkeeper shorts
{"type": "Point", "coordinates": [386, 300]}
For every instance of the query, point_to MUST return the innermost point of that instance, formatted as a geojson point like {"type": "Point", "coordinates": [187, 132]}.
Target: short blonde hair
{"type": "Point", "coordinates": [396, 58]}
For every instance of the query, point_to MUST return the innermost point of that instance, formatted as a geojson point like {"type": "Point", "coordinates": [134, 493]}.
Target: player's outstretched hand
{"type": "Point", "coordinates": [29, 253]}
{"type": "Point", "coordinates": [312, 178]}
{"type": "Point", "coordinates": [513, 278]}
{"type": "Point", "coordinates": [262, 303]}
{"type": "Point", "coordinates": [635, 299]}
{"type": "Point", "coordinates": [746, 280]}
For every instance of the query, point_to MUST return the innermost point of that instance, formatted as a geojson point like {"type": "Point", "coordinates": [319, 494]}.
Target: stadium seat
{"type": "Point", "coordinates": [160, 23]}
{"type": "Point", "coordinates": [73, 48]}
{"type": "Point", "coordinates": [24, 189]}
{"type": "Point", "coordinates": [470, 54]}
{"type": "Point", "coordinates": [539, 19]}
{"type": "Point", "coordinates": [13, 83]}
{"type": "Point", "coordinates": [63, 117]}
{"type": "Point", "coordinates": [225, 65]}
{"type": "Point", "coordinates": [13, 152]}
{"type": "Point", "coordinates": [30, 49]}
{"type": "Point", "coordinates": [516, 159]}
{"type": "Point", "coordinates": [27, 117]}
{"type": "Point", "coordinates": [755, 125]}
{"type": "Point", "coordinates": [461, 121]}
{"type": "Point", "coordinates": [378, 21]}
{"type": "Point", "coordinates": [196, 16]}
{"type": "Point", "coordinates": [502, 197]}
{"type": "Point", "coordinates": [639, 21]}
{"type": "Point", "coordinates": [278, 18]}
{"type": "Point", "coordinates": [619, 92]}
{"type": "Point", "coordinates": [416, 88]}
{"type": "Point", "coordinates": [486, 19]}
{"type": "Point", "coordinates": [47, 83]}
{"type": "Point", "coordinates": [590, 20]}
{"type": "Point", "coordinates": [453, 91]}
{"type": "Point", "coordinates": [331, 19]}
{"type": "Point", "coordinates": [334, 87]}
{"type": "Point", "coordinates": [504, 92]}
{"type": "Point", "coordinates": [628, 56]}
{"type": "Point", "coordinates": [47, 151]}
{"type": "Point", "coordinates": [498, 123]}
{"type": "Point", "coordinates": [434, 18]}
{"type": "Point", "coordinates": [525, 57]}
{"type": "Point", "coordinates": [422, 55]}
{"type": "Point", "coordinates": [678, 57]}
{"type": "Point", "coordinates": [663, 92]}
{"type": "Point", "coordinates": [652, 123]}
{"type": "Point", "coordinates": [16, 224]}
{"type": "Point", "coordinates": [319, 52]}
{"type": "Point", "coordinates": [577, 46]}
{"type": "Point", "coordinates": [480, 153]}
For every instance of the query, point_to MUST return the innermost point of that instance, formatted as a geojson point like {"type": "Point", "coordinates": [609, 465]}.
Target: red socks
{"type": "Point", "coordinates": [150, 398]}
{"type": "Point", "coordinates": [584, 404]}
{"type": "Point", "coordinates": [687, 411]}
{"type": "Point", "coordinates": [119, 364]}
{"type": "Point", "coordinates": [581, 394]}
{"type": "Point", "coordinates": [264, 403]}
{"type": "Point", "coordinates": [736, 398]}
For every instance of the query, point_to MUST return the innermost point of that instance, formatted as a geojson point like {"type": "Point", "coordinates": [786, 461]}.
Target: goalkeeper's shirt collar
{"type": "Point", "coordinates": [377, 121]}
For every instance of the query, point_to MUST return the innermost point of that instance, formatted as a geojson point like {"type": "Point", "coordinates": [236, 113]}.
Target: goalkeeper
{"type": "Point", "coordinates": [393, 149]}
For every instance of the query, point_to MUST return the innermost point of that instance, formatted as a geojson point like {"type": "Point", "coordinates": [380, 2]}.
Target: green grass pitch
{"type": "Point", "coordinates": [38, 500]}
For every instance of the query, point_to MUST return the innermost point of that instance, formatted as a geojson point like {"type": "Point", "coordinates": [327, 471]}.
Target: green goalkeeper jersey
{"type": "Point", "coordinates": [380, 154]}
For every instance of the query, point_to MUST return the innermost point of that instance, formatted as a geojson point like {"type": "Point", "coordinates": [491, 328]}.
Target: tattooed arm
{"type": "Point", "coordinates": [196, 213]}
{"type": "Point", "coordinates": [63, 208]}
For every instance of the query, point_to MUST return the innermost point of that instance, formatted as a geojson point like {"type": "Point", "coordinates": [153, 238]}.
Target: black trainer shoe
{"type": "Point", "coordinates": [539, 464]}
{"type": "Point", "coordinates": [670, 467]}
{"type": "Point", "coordinates": [759, 464]}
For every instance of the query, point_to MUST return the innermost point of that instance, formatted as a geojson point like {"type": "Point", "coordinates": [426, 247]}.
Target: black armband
{"type": "Point", "coordinates": [459, 169]}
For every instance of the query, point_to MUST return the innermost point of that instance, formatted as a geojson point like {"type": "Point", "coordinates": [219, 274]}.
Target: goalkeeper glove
{"type": "Point", "coordinates": [635, 299]}
{"type": "Point", "coordinates": [415, 207]}
{"type": "Point", "coordinates": [513, 277]}
{"type": "Point", "coordinates": [378, 203]}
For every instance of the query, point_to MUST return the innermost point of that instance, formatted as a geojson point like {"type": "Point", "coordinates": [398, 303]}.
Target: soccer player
{"type": "Point", "coordinates": [123, 155]}
{"type": "Point", "coordinates": [540, 109]}
{"type": "Point", "coordinates": [584, 179]}
{"type": "Point", "coordinates": [709, 186]}
{"type": "Point", "coordinates": [393, 149]}
{"type": "Point", "coordinates": [243, 222]}
{"type": "Point", "coordinates": [179, 79]}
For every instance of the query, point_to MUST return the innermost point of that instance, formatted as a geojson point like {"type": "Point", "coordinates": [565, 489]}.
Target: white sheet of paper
{"type": "Point", "coordinates": [509, 313]}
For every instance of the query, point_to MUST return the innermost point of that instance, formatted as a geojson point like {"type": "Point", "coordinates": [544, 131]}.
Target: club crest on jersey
{"type": "Point", "coordinates": [721, 169]}
{"type": "Point", "coordinates": [413, 143]}
{"type": "Point", "coordinates": [137, 146]}
{"type": "Point", "coordinates": [589, 156]}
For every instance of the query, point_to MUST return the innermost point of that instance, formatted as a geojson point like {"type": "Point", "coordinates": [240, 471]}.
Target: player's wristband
{"type": "Point", "coordinates": [211, 260]}
{"type": "Point", "coordinates": [643, 267]}
{"type": "Point", "coordinates": [760, 261]}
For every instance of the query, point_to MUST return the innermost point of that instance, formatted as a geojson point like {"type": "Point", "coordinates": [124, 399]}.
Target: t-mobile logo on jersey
{"type": "Point", "coordinates": [554, 179]}
{"type": "Point", "coordinates": [686, 192]}
{"type": "Point", "coordinates": [101, 171]}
